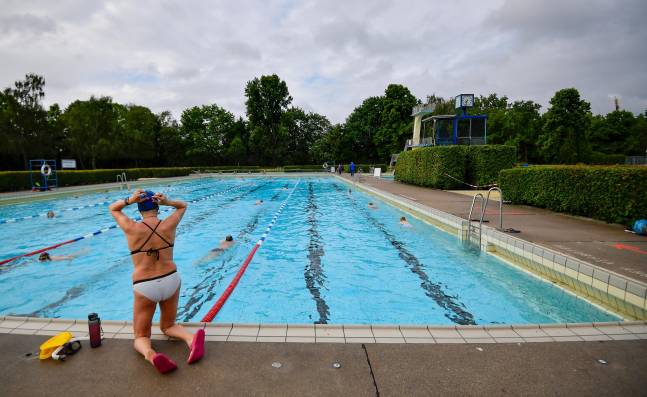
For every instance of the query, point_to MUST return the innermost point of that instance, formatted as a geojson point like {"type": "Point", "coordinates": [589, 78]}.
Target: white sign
{"type": "Point", "coordinates": [377, 172]}
{"type": "Point", "coordinates": [68, 163]}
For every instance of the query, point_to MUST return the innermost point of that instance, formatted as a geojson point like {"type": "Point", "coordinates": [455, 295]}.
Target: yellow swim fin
{"type": "Point", "coordinates": [53, 343]}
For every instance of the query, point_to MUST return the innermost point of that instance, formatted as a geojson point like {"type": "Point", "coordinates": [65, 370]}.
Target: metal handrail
{"type": "Point", "coordinates": [469, 218]}
{"type": "Point", "coordinates": [119, 178]}
{"type": "Point", "coordinates": [487, 199]}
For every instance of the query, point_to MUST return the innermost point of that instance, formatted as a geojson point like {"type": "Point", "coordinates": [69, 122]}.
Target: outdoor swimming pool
{"type": "Point", "coordinates": [328, 259]}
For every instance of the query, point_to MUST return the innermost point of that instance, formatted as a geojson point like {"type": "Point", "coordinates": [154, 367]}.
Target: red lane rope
{"type": "Point", "coordinates": [211, 314]}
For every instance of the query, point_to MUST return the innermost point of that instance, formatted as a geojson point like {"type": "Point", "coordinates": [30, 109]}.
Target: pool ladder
{"type": "Point", "coordinates": [475, 231]}
{"type": "Point", "coordinates": [124, 181]}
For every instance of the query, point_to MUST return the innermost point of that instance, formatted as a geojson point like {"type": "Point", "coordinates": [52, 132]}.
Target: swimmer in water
{"type": "Point", "coordinates": [222, 247]}
{"type": "Point", "coordinates": [372, 206]}
{"type": "Point", "coordinates": [46, 257]}
{"type": "Point", "coordinates": [404, 222]}
{"type": "Point", "coordinates": [259, 202]}
{"type": "Point", "coordinates": [50, 214]}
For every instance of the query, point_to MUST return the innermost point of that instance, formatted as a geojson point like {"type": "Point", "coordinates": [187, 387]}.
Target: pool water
{"type": "Point", "coordinates": [328, 259]}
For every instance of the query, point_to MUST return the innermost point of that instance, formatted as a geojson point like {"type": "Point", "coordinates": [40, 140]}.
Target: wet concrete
{"type": "Point", "coordinates": [245, 369]}
{"type": "Point", "coordinates": [599, 243]}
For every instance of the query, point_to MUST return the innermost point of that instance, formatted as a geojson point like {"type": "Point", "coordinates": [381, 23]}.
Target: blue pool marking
{"type": "Point", "coordinates": [314, 274]}
{"type": "Point", "coordinates": [453, 310]}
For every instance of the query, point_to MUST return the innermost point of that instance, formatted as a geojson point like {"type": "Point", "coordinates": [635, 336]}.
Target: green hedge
{"type": "Point", "coordinates": [614, 194]}
{"type": "Point", "coordinates": [484, 162]}
{"type": "Point", "coordinates": [302, 168]}
{"type": "Point", "coordinates": [606, 159]}
{"type": "Point", "coordinates": [19, 180]}
{"type": "Point", "coordinates": [477, 165]}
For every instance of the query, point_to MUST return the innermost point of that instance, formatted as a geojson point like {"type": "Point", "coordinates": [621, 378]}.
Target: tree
{"type": "Point", "coordinates": [204, 129]}
{"type": "Point", "coordinates": [25, 118]}
{"type": "Point", "coordinates": [609, 134]}
{"type": "Point", "coordinates": [520, 128]}
{"type": "Point", "coordinates": [396, 124]}
{"type": "Point", "coordinates": [267, 99]}
{"type": "Point", "coordinates": [564, 137]}
{"type": "Point", "coordinates": [91, 128]}
{"type": "Point", "coordinates": [171, 148]}
{"type": "Point", "coordinates": [302, 130]}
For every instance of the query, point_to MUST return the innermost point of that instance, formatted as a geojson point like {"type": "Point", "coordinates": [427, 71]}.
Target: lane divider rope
{"type": "Point", "coordinates": [211, 314]}
{"type": "Point", "coordinates": [44, 214]}
{"type": "Point", "coordinates": [105, 229]}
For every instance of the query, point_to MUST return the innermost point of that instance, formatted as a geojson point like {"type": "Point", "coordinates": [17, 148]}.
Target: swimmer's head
{"type": "Point", "coordinates": [44, 257]}
{"type": "Point", "coordinates": [229, 238]}
{"type": "Point", "coordinates": [50, 214]}
{"type": "Point", "coordinates": [148, 204]}
{"type": "Point", "coordinates": [403, 219]}
{"type": "Point", "coordinates": [370, 203]}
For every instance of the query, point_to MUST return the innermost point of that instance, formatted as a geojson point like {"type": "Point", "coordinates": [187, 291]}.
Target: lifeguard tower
{"type": "Point", "coordinates": [451, 129]}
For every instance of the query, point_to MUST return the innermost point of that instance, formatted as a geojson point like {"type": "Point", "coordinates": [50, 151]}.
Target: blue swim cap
{"type": "Point", "coordinates": [148, 204]}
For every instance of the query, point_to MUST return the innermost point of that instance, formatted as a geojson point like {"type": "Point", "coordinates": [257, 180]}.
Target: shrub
{"type": "Point", "coordinates": [612, 193]}
{"type": "Point", "coordinates": [484, 162]}
{"type": "Point", "coordinates": [477, 165]}
{"type": "Point", "coordinates": [428, 166]}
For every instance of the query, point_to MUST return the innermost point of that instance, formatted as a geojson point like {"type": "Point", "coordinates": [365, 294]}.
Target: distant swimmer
{"type": "Point", "coordinates": [259, 202]}
{"type": "Point", "coordinates": [50, 214]}
{"type": "Point", "coordinates": [372, 206]}
{"type": "Point", "coordinates": [222, 247]}
{"type": "Point", "coordinates": [350, 191]}
{"type": "Point", "coordinates": [46, 257]}
{"type": "Point", "coordinates": [404, 222]}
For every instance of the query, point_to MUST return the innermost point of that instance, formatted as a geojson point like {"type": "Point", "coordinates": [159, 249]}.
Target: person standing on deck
{"type": "Point", "coordinates": [155, 277]}
{"type": "Point", "coordinates": [351, 167]}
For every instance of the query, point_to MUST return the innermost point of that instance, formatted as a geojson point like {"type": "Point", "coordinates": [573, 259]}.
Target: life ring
{"type": "Point", "coordinates": [324, 165]}
{"type": "Point", "coordinates": [46, 170]}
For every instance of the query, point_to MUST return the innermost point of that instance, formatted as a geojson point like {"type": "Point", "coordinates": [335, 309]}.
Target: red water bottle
{"type": "Point", "coordinates": [94, 326]}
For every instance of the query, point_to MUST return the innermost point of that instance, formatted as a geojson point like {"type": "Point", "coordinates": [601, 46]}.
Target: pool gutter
{"type": "Point", "coordinates": [348, 333]}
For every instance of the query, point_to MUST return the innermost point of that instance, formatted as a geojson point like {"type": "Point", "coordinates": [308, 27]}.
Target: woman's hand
{"type": "Point", "coordinates": [161, 199]}
{"type": "Point", "coordinates": [138, 196]}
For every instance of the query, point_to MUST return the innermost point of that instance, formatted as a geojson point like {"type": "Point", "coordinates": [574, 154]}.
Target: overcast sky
{"type": "Point", "coordinates": [332, 54]}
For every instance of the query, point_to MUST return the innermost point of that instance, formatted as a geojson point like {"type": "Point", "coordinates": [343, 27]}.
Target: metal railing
{"type": "Point", "coordinates": [484, 202]}
{"type": "Point", "coordinates": [121, 178]}
{"type": "Point", "coordinates": [469, 217]}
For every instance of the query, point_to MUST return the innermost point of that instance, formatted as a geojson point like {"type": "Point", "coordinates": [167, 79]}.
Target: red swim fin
{"type": "Point", "coordinates": [163, 363]}
{"type": "Point", "coordinates": [197, 347]}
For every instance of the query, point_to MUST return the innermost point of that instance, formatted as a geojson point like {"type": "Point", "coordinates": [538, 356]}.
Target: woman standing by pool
{"type": "Point", "coordinates": [155, 278]}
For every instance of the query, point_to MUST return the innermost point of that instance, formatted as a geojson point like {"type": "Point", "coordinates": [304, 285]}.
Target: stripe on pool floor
{"type": "Point", "coordinates": [453, 310]}
{"type": "Point", "coordinates": [313, 274]}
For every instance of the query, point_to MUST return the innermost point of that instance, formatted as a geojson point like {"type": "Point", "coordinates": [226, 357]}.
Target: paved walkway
{"type": "Point", "coordinates": [596, 242]}
{"type": "Point", "coordinates": [245, 369]}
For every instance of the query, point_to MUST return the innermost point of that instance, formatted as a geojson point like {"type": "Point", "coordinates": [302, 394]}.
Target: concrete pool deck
{"type": "Point", "coordinates": [246, 369]}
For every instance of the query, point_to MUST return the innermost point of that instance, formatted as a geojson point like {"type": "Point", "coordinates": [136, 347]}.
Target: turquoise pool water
{"type": "Point", "coordinates": [328, 259]}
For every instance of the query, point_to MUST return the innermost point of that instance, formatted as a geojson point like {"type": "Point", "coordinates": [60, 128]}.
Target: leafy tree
{"type": "Point", "coordinates": [91, 128]}
{"type": "Point", "coordinates": [564, 137]}
{"type": "Point", "coordinates": [636, 144]}
{"type": "Point", "coordinates": [25, 118]}
{"type": "Point", "coordinates": [170, 146]}
{"type": "Point", "coordinates": [609, 134]}
{"type": "Point", "coordinates": [204, 129]}
{"type": "Point", "coordinates": [396, 123]}
{"type": "Point", "coordinates": [302, 130]}
{"type": "Point", "coordinates": [520, 128]}
{"type": "Point", "coordinates": [267, 99]}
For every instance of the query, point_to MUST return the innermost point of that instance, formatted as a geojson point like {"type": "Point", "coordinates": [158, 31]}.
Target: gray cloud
{"type": "Point", "coordinates": [332, 54]}
{"type": "Point", "coordinates": [26, 24]}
